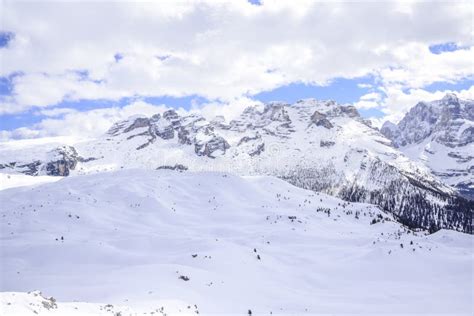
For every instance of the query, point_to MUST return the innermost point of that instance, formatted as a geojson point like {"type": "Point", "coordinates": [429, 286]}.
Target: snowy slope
{"type": "Point", "coordinates": [129, 238]}
{"type": "Point", "coordinates": [317, 145]}
{"type": "Point", "coordinates": [8, 181]}
{"type": "Point", "coordinates": [440, 134]}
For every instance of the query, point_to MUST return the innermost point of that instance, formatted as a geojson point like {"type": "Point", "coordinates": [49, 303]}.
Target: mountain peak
{"type": "Point", "coordinates": [440, 135]}
{"type": "Point", "coordinates": [390, 125]}
{"type": "Point", "coordinates": [315, 102]}
{"type": "Point", "coordinates": [450, 98]}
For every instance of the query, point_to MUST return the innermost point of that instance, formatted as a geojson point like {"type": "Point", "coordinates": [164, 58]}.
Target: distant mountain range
{"type": "Point", "coordinates": [439, 134]}
{"type": "Point", "coordinates": [318, 145]}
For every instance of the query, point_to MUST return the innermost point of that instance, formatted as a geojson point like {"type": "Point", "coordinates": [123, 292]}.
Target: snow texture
{"type": "Point", "coordinates": [171, 242]}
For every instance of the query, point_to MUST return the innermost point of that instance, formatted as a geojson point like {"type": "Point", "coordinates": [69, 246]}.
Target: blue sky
{"type": "Point", "coordinates": [341, 90]}
{"type": "Point", "coordinates": [5, 38]}
{"type": "Point", "coordinates": [444, 47]}
{"type": "Point", "coordinates": [455, 86]}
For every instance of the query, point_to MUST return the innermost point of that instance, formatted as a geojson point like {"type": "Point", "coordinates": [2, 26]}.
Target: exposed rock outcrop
{"type": "Point", "coordinates": [320, 119]}
{"type": "Point", "coordinates": [439, 134]}
{"type": "Point", "coordinates": [208, 148]}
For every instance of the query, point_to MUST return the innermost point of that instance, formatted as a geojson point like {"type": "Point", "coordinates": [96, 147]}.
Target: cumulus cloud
{"type": "Point", "coordinates": [418, 67]}
{"type": "Point", "coordinates": [368, 101]}
{"type": "Point", "coordinates": [20, 133]}
{"type": "Point", "coordinates": [364, 85]}
{"type": "Point", "coordinates": [223, 50]}
{"type": "Point", "coordinates": [55, 112]}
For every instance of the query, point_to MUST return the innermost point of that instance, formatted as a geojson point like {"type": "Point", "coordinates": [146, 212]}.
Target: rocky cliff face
{"type": "Point", "coordinates": [317, 145]}
{"type": "Point", "coordinates": [57, 162]}
{"type": "Point", "coordinates": [439, 134]}
{"type": "Point", "coordinates": [65, 159]}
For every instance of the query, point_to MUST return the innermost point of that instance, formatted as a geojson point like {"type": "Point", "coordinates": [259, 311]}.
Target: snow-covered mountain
{"type": "Point", "coordinates": [163, 242]}
{"type": "Point", "coordinates": [440, 134]}
{"type": "Point", "coordinates": [317, 145]}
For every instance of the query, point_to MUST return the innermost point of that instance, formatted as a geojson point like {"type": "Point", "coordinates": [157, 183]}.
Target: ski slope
{"type": "Point", "coordinates": [178, 243]}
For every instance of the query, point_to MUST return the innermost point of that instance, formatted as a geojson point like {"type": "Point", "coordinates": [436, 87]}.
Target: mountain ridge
{"type": "Point", "coordinates": [317, 145]}
{"type": "Point", "coordinates": [439, 134]}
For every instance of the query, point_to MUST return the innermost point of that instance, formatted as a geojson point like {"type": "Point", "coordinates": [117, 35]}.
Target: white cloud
{"type": "Point", "coordinates": [371, 96]}
{"type": "Point", "coordinates": [397, 102]}
{"type": "Point", "coordinates": [229, 110]}
{"type": "Point", "coordinates": [364, 85]}
{"type": "Point", "coordinates": [42, 90]}
{"type": "Point", "coordinates": [92, 123]}
{"type": "Point", "coordinates": [55, 112]}
{"type": "Point", "coordinates": [369, 101]}
{"type": "Point", "coordinates": [224, 50]}
{"type": "Point", "coordinates": [366, 104]}
{"type": "Point", "coordinates": [418, 67]}
{"type": "Point", "coordinates": [19, 133]}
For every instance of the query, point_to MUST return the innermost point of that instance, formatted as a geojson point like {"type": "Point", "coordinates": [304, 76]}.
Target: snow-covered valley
{"type": "Point", "coordinates": [168, 242]}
